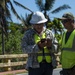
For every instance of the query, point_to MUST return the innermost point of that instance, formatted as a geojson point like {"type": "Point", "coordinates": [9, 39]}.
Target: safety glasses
{"type": "Point", "coordinates": [65, 21]}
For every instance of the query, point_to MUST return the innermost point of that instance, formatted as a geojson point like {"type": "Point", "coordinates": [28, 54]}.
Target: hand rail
{"type": "Point", "coordinates": [7, 64]}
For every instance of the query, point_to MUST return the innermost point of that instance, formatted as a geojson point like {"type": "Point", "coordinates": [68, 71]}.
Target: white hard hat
{"type": "Point", "coordinates": [37, 18]}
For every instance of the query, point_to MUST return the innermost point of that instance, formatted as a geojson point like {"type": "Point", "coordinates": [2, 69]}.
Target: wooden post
{"type": "Point", "coordinates": [8, 61]}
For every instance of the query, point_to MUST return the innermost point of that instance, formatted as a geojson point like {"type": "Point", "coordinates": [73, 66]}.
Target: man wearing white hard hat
{"type": "Point", "coordinates": [38, 43]}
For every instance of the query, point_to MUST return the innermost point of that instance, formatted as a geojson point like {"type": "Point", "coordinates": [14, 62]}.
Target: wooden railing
{"type": "Point", "coordinates": [7, 62]}
{"type": "Point", "coordinates": [58, 59]}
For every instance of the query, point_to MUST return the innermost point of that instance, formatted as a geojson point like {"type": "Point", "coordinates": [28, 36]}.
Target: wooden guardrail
{"type": "Point", "coordinates": [58, 59]}
{"type": "Point", "coordinates": [7, 64]}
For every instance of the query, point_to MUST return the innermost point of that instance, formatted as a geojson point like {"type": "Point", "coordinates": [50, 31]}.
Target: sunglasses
{"type": "Point", "coordinates": [65, 21]}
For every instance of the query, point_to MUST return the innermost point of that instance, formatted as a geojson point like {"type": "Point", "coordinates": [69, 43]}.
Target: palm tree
{"type": "Point", "coordinates": [24, 7]}
{"type": "Point", "coordinates": [6, 15]}
{"type": "Point", "coordinates": [47, 5]}
{"type": "Point", "coordinates": [4, 4]}
{"type": "Point", "coordinates": [3, 25]}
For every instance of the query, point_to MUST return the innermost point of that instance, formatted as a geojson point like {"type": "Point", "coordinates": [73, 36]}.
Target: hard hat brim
{"type": "Point", "coordinates": [62, 18]}
{"type": "Point", "coordinates": [34, 22]}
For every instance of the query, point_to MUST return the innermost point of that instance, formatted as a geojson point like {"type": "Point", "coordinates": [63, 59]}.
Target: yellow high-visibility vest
{"type": "Point", "coordinates": [47, 56]}
{"type": "Point", "coordinates": [68, 51]}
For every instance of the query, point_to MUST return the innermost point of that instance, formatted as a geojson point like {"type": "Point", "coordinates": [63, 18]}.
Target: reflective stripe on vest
{"type": "Point", "coordinates": [68, 51]}
{"type": "Point", "coordinates": [46, 51]}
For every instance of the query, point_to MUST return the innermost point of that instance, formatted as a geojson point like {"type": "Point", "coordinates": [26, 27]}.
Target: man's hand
{"type": "Point", "coordinates": [42, 43]}
{"type": "Point", "coordinates": [45, 43]}
{"type": "Point", "coordinates": [49, 43]}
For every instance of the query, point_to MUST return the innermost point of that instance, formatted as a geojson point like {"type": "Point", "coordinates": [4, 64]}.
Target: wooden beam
{"type": "Point", "coordinates": [12, 64]}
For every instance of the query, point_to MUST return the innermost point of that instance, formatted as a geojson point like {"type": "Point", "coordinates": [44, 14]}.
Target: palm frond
{"type": "Point", "coordinates": [2, 3]}
{"type": "Point", "coordinates": [14, 11]}
{"type": "Point", "coordinates": [63, 7]}
{"type": "Point", "coordinates": [25, 20]}
{"type": "Point", "coordinates": [3, 23]}
{"type": "Point", "coordinates": [40, 4]}
{"type": "Point", "coordinates": [8, 15]}
{"type": "Point", "coordinates": [49, 4]}
{"type": "Point", "coordinates": [22, 6]}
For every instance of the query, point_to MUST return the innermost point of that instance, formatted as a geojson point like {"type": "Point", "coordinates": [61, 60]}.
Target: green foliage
{"type": "Point", "coordinates": [13, 42]}
{"type": "Point", "coordinates": [56, 26]}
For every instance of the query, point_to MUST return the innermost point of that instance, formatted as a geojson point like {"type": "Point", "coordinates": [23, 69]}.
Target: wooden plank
{"type": "Point", "coordinates": [12, 64]}
{"type": "Point", "coordinates": [14, 72]}
{"type": "Point", "coordinates": [13, 56]}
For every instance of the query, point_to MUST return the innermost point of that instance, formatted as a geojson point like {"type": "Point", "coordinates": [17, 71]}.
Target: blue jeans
{"type": "Point", "coordinates": [45, 69]}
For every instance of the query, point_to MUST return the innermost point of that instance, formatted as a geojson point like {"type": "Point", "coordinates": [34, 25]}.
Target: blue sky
{"type": "Point", "coordinates": [31, 5]}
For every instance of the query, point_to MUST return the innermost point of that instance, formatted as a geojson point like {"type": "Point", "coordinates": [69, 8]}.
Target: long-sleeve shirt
{"type": "Point", "coordinates": [31, 48]}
